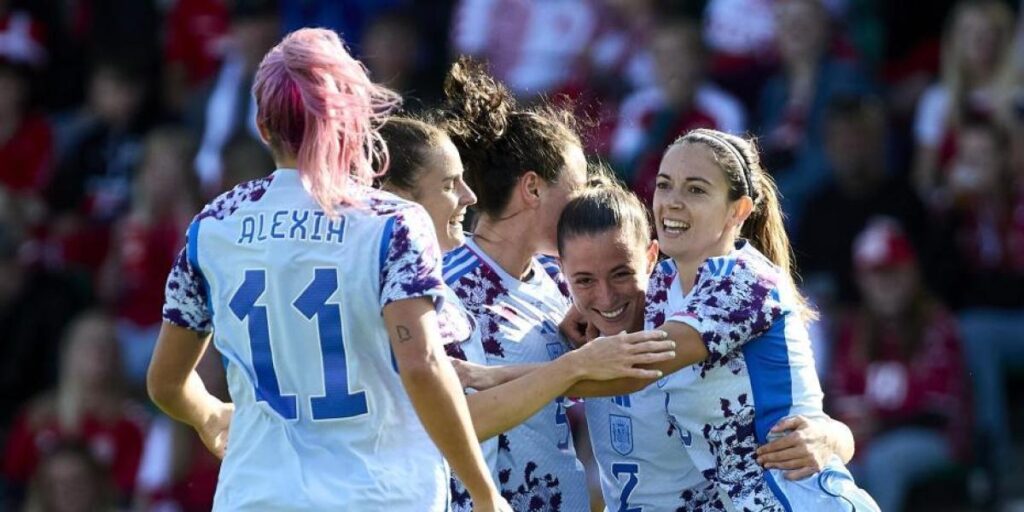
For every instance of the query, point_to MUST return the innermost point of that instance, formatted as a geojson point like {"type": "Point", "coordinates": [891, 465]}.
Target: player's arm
{"type": "Point", "coordinates": [433, 389]}
{"type": "Point", "coordinates": [690, 349]}
{"type": "Point", "coordinates": [175, 387]}
{"type": "Point", "coordinates": [481, 377]}
{"type": "Point", "coordinates": [502, 407]}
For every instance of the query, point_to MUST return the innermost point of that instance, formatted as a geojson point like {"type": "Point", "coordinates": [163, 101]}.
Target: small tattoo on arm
{"type": "Point", "coordinates": [403, 333]}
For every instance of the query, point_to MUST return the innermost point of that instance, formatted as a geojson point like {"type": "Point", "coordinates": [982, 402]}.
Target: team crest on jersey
{"type": "Point", "coordinates": [621, 430]}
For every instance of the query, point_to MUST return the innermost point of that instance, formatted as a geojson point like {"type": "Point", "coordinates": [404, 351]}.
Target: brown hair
{"type": "Point", "coordinates": [498, 141]}
{"type": "Point", "coordinates": [605, 205]}
{"type": "Point", "coordinates": [409, 142]}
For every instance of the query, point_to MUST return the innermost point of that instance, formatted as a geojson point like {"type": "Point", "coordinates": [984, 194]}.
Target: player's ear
{"type": "Point", "coordinates": [264, 132]}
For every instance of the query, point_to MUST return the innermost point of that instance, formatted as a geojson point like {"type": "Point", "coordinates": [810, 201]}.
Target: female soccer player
{"type": "Point", "coordinates": [744, 357]}
{"type": "Point", "coordinates": [524, 165]}
{"type": "Point", "coordinates": [607, 254]}
{"type": "Point", "coordinates": [425, 168]}
{"type": "Point", "coordinates": [303, 277]}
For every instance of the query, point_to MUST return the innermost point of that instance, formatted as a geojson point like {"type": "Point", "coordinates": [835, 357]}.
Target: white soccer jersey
{"type": "Point", "coordinates": [642, 464]}
{"type": "Point", "coordinates": [518, 320]}
{"type": "Point", "coordinates": [759, 370]}
{"type": "Point", "coordinates": [294, 300]}
{"type": "Point", "coordinates": [462, 341]}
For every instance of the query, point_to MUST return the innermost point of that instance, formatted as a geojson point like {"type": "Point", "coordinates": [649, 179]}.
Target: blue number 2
{"type": "Point", "coordinates": [633, 470]}
{"type": "Point", "coordinates": [336, 402]}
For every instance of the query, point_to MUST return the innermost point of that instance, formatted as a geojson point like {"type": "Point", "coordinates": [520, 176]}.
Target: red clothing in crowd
{"type": "Point", "coordinates": [196, 32]}
{"type": "Point", "coordinates": [893, 388]}
{"type": "Point", "coordinates": [144, 253]}
{"type": "Point", "coordinates": [27, 156]}
{"type": "Point", "coordinates": [115, 442]}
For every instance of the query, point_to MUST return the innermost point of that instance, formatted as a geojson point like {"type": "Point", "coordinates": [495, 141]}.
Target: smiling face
{"type": "Point", "coordinates": [608, 275]}
{"type": "Point", "coordinates": [441, 191]}
{"type": "Point", "coordinates": [693, 215]}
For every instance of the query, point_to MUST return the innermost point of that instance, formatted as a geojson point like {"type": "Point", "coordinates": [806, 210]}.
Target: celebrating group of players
{"type": "Point", "coordinates": [341, 298]}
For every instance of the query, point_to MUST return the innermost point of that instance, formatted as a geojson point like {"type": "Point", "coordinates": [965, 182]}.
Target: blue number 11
{"type": "Point", "coordinates": [337, 402]}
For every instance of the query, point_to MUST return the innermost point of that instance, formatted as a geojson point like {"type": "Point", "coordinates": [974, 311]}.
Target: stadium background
{"type": "Point", "coordinates": [120, 118]}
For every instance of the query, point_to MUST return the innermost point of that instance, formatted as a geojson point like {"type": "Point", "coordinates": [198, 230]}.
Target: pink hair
{"type": "Point", "coordinates": [318, 104]}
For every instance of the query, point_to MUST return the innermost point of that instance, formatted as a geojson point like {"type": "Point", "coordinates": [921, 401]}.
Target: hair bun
{"type": "Point", "coordinates": [477, 107]}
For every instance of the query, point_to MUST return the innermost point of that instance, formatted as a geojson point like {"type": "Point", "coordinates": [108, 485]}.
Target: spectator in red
{"type": "Point", "coordinates": [165, 197]}
{"type": "Point", "coordinates": [88, 406]}
{"type": "Point", "coordinates": [70, 479]}
{"type": "Point", "coordinates": [983, 221]}
{"type": "Point", "coordinates": [983, 217]}
{"type": "Point", "coordinates": [683, 100]}
{"type": "Point", "coordinates": [976, 72]}
{"type": "Point", "coordinates": [195, 38]}
{"type": "Point", "coordinates": [26, 139]}
{"type": "Point", "coordinates": [897, 377]}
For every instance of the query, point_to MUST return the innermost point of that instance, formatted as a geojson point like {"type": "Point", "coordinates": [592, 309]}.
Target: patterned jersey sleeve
{"type": "Point", "coordinates": [411, 264]}
{"type": "Point", "coordinates": [185, 296]}
{"type": "Point", "coordinates": [730, 305]}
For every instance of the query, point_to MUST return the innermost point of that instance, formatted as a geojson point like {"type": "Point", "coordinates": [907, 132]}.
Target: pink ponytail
{"type": "Point", "coordinates": [318, 104]}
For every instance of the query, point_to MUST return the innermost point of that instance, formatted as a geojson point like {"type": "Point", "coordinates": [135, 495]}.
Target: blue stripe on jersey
{"type": "Point", "coordinates": [774, 486]}
{"type": "Point", "coordinates": [666, 266]}
{"type": "Point", "coordinates": [385, 241]}
{"type": "Point", "coordinates": [767, 358]}
{"type": "Point", "coordinates": [460, 266]}
{"type": "Point", "coordinates": [192, 253]}
{"type": "Point", "coordinates": [457, 257]}
{"type": "Point", "coordinates": [551, 266]}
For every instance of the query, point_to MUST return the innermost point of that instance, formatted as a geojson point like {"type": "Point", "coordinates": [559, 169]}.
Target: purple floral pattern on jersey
{"type": "Point", "coordinates": [230, 201]}
{"type": "Point", "coordinates": [461, 501]}
{"type": "Point", "coordinates": [186, 303]}
{"type": "Point", "coordinates": [733, 302]}
{"type": "Point", "coordinates": [412, 267]}
{"type": "Point", "coordinates": [553, 267]}
{"type": "Point", "coordinates": [456, 326]}
{"type": "Point", "coordinates": [733, 444]}
{"type": "Point", "coordinates": [536, 493]}
{"type": "Point", "coordinates": [185, 300]}
{"type": "Point", "coordinates": [703, 498]}
{"type": "Point", "coordinates": [479, 289]}
{"type": "Point", "coordinates": [657, 293]}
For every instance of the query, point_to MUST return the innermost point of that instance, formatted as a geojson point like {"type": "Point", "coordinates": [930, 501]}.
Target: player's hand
{"type": "Point", "coordinates": [801, 452]}
{"type": "Point", "coordinates": [472, 375]}
{"type": "Point", "coordinates": [616, 357]}
{"type": "Point", "coordinates": [214, 431]}
{"type": "Point", "coordinates": [576, 329]}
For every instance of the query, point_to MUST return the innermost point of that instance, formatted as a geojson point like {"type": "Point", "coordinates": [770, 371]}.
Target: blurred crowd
{"type": "Point", "coordinates": [895, 131]}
